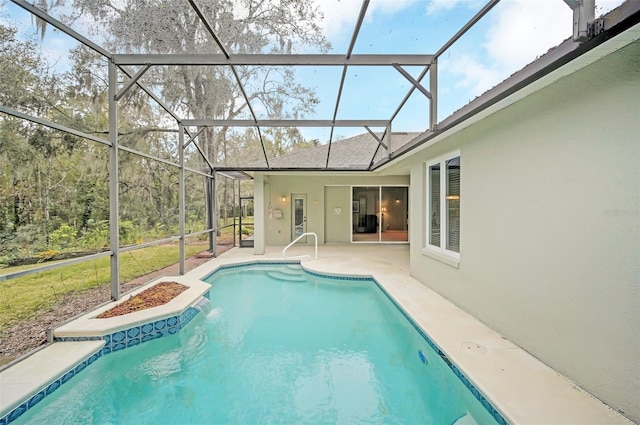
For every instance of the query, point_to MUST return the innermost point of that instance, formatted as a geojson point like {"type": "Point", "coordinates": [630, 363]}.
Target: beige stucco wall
{"type": "Point", "coordinates": [550, 226]}
{"type": "Point", "coordinates": [337, 216]}
{"type": "Point", "coordinates": [324, 193]}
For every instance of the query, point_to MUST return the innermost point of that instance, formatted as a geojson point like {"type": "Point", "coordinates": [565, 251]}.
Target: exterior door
{"type": "Point", "coordinates": [299, 214]}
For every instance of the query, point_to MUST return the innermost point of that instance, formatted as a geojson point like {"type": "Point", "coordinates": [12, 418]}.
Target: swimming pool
{"type": "Point", "coordinates": [278, 345]}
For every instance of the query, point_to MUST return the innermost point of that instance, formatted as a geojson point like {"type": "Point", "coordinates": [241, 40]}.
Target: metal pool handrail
{"type": "Point", "coordinates": [296, 240]}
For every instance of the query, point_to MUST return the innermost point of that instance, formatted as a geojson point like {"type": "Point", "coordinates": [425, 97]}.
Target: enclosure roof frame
{"type": "Point", "coordinates": [227, 59]}
{"type": "Point", "coordinates": [582, 9]}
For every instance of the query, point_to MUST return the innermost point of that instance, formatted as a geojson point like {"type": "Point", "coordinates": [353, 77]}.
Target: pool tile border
{"type": "Point", "coordinates": [286, 262]}
{"type": "Point", "coordinates": [49, 389]}
{"type": "Point", "coordinates": [456, 371]}
{"type": "Point", "coordinates": [339, 277]}
{"type": "Point", "coordinates": [115, 341]}
{"type": "Point", "coordinates": [224, 267]}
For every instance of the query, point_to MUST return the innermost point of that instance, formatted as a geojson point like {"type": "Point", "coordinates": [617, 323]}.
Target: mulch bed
{"type": "Point", "coordinates": [159, 294]}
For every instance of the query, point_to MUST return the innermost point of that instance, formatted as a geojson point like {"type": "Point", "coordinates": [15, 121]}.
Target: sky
{"type": "Point", "coordinates": [511, 35]}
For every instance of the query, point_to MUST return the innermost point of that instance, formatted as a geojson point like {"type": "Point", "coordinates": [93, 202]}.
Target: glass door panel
{"type": "Point", "coordinates": [299, 223]}
{"type": "Point", "coordinates": [394, 214]}
{"type": "Point", "coordinates": [364, 211]}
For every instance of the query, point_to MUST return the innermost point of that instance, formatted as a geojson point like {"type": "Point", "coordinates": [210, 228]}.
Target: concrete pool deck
{"type": "Point", "coordinates": [522, 388]}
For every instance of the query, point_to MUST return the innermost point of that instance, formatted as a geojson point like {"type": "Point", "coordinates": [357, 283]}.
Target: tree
{"type": "Point", "coordinates": [48, 177]}
{"type": "Point", "coordinates": [23, 73]}
{"type": "Point", "coordinates": [244, 26]}
{"type": "Point", "coordinates": [54, 186]}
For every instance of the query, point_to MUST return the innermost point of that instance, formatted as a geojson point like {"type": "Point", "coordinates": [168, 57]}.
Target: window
{"type": "Point", "coordinates": [443, 205]}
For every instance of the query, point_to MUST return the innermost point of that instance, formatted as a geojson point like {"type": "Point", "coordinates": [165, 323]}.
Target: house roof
{"type": "Point", "coordinates": [353, 153]}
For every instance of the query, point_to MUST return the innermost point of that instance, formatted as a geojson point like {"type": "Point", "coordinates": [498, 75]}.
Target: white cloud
{"type": "Point", "coordinates": [604, 6]}
{"type": "Point", "coordinates": [518, 32]}
{"type": "Point", "coordinates": [523, 30]}
{"type": "Point", "coordinates": [474, 77]}
{"type": "Point", "coordinates": [340, 16]}
{"type": "Point", "coordinates": [436, 7]}
{"type": "Point", "coordinates": [388, 6]}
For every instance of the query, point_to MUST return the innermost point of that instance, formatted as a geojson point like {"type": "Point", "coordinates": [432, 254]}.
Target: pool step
{"type": "Point", "coordinates": [290, 271]}
{"type": "Point", "coordinates": [286, 276]}
{"type": "Point", "coordinates": [465, 419]}
{"type": "Point", "coordinates": [275, 267]}
{"type": "Point", "coordinates": [296, 267]}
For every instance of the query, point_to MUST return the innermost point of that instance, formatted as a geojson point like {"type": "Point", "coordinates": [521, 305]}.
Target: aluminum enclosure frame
{"type": "Point", "coordinates": [583, 13]}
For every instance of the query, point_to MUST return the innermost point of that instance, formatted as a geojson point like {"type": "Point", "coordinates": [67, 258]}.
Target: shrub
{"type": "Point", "coordinates": [63, 237]}
{"type": "Point", "coordinates": [97, 234]}
{"type": "Point", "coordinates": [48, 254]}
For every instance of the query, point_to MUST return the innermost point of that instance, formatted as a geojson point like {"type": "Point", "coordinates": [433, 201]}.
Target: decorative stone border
{"type": "Point", "coordinates": [135, 335]}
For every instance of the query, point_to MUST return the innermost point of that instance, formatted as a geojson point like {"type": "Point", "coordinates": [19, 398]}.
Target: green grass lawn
{"type": "Point", "coordinates": [22, 298]}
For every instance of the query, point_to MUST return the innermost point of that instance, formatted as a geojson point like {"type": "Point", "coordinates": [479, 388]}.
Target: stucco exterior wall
{"type": "Point", "coordinates": [337, 214]}
{"type": "Point", "coordinates": [550, 226]}
{"type": "Point", "coordinates": [321, 203]}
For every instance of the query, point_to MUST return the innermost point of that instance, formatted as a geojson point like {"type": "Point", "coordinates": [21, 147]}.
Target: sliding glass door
{"type": "Point", "coordinates": [379, 214]}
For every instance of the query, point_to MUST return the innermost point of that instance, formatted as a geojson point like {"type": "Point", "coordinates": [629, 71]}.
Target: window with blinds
{"type": "Point", "coordinates": [443, 204]}
{"type": "Point", "coordinates": [434, 204]}
{"type": "Point", "coordinates": [453, 204]}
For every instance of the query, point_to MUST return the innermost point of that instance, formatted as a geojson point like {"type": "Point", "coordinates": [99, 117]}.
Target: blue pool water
{"type": "Point", "coordinates": [277, 345]}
